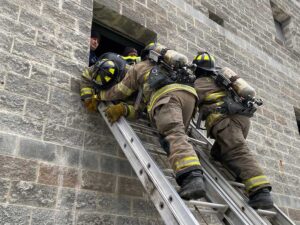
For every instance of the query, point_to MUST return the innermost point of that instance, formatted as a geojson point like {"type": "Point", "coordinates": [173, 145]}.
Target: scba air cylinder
{"type": "Point", "coordinates": [242, 88]}
{"type": "Point", "coordinates": [172, 57]}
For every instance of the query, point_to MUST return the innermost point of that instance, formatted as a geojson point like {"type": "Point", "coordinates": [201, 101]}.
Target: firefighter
{"type": "Point", "coordinates": [94, 44]}
{"type": "Point", "coordinates": [130, 55]}
{"type": "Point", "coordinates": [106, 72]}
{"type": "Point", "coordinates": [229, 132]}
{"type": "Point", "coordinates": [170, 109]}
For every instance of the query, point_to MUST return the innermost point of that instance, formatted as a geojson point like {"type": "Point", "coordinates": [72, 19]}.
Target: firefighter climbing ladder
{"type": "Point", "coordinates": [226, 202]}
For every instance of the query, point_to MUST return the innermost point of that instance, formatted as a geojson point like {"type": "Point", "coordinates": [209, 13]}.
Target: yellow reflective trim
{"type": "Point", "coordinates": [130, 57]}
{"type": "Point", "coordinates": [215, 96]}
{"type": "Point", "coordinates": [86, 92]}
{"type": "Point", "coordinates": [107, 78]}
{"type": "Point", "coordinates": [124, 89]}
{"type": "Point", "coordinates": [255, 178]}
{"type": "Point", "coordinates": [199, 57]}
{"type": "Point", "coordinates": [131, 112]}
{"type": "Point", "coordinates": [257, 184]}
{"type": "Point", "coordinates": [169, 88]}
{"type": "Point", "coordinates": [220, 103]}
{"type": "Point", "coordinates": [255, 181]}
{"type": "Point", "coordinates": [206, 58]}
{"type": "Point", "coordinates": [188, 165]}
{"type": "Point", "coordinates": [186, 162]}
{"type": "Point", "coordinates": [212, 58]}
{"type": "Point", "coordinates": [86, 73]}
{"type": "Point", "coordinates": [186, 159]}
{"type": "Point", "coordinates": [211, 118]}
{"type": "Point", "coordinates": [86, 88]}
{"type": "Point", "coordinates": [152, 43]}
{"type": "Point", "coordinates": [146, 76]}
{"type": "Point", "coordinates": [102, 95]}
{"type": "Point", "coordinates": [111, 70]}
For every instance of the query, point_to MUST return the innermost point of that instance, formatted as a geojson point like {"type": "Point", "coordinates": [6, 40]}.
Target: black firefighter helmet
{"type": "Point", "coordinates": [105, 73]}
{"type": "Point", "coordinates": [205, 61]}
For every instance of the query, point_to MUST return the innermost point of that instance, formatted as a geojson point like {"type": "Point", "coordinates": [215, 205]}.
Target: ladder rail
{"type": "Point", "coordinates": [236, 201]}
{"type": "Point", "coordinates": [278, 219]}
{"type": "Point", "coordinates": [168, 203]}
{"type": "Point", "coordinates": [233, 208]}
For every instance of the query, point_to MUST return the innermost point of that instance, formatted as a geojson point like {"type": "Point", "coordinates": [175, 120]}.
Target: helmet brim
{"type": "Point", "coordinates": [209, 68]}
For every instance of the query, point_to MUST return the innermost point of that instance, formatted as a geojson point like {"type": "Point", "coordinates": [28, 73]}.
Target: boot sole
{"type": "Point", "coordinates": [262, 206]}
{"type": "Point", "coordinates": [194, 195]}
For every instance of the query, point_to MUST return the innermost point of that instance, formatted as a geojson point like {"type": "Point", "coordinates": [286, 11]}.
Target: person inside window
{"type": "Point", "coordinates": [130, 55]}
{"type": "Point", "coordinates": [94, 44]}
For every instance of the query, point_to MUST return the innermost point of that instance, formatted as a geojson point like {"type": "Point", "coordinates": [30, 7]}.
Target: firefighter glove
{"type": "Point", "coordinates": [91, 103]}
{"type": "Point", "coordinates": [114, 112]}
{"type": "Point", "coordinates": [87, 74]}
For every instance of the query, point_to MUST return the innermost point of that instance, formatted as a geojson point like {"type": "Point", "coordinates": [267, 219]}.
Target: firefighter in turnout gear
{"type": "Point", "coordinates": [170, 108]}
{"type": "Point", "coordinates": [106, 72]}
{"type": "Point", "coordinates": [229, 128]}
{"type": "Point", "coordinates": [130, 55]}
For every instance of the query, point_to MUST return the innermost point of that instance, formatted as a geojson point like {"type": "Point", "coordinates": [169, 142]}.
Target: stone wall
{"type": "Point", "coordinates": [58, 163]}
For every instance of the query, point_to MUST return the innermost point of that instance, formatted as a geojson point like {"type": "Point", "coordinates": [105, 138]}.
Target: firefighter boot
{"type": "Point", "coordinates": [261, 199]}
{"type": "Point", "coordinates": [192, 186]}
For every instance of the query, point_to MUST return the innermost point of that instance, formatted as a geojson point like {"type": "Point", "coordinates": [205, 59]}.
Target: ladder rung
{"type": "Point", "coordinates": [161, 190]}
{"type": "Point", "coordinates": [204, 210]}
{"type": "Point", "coordinates": [237, 184]}
{"type": "Point", "coordinates": [197, 141]}
{"type": "Point", "coordinates": [208, 204]}
{"type": "Point", "coordinates": [266, 212]}
{"type": "Point", "coordinates": [144, 127]}
{"type": "Point", "coordinates": [157, 152]}
{"type": "Point", "coordinates": [168, 171]}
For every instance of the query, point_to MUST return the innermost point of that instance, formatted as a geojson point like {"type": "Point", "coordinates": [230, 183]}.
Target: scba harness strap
{"type": "Point", "coordinates": [160, 77]}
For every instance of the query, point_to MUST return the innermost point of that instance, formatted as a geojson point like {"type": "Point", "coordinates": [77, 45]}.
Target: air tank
{"type": "Point", "coordinates": [242, 88]}
{"type": "Point", "coordinates": [172, 57]}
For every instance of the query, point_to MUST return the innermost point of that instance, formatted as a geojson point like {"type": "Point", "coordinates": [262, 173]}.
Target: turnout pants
{"type": "Point", "coordinates": [171, 116]}
{"type": "Point", "coordinates": [230, 148]}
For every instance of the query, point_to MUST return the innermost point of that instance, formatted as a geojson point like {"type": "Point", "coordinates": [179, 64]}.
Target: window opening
{"type": "Point", "coordinates": [216, 18]}
{"type": "Point", "coordinates": [297, 114]}
{"type": "Point", "coordinates": [281, 21]}
{"type": "Point", "coordinates": [117, 31]}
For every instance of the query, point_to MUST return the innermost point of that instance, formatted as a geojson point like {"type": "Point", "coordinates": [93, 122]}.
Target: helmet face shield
{"type": "Point", "coordinates": [104, 73]}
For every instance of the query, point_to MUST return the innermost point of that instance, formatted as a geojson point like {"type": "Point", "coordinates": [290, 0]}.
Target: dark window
{"type": "Point", "coordinates": [118, 31]}
{"type": "Point", "coordinates": [216, 18]}
{"type": "Point", "coordinates": [281, 21]}
{"type": "Point", "coordinates": [297, 114]}
{"type": "Point", "coordinates": [279, 31]}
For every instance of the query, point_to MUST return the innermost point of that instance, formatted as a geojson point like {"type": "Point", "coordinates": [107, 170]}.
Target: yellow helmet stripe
{"type": "Point", "coordinates": [199, 57]}
{"type": "Point", "coordinates": [107, 78]}
{"type": "Point", "coordinates": [111, 70]}
{"type": "Point", "coordinates": [206, 58]}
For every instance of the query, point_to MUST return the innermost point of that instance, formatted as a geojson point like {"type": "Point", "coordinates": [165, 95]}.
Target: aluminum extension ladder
{"type": "Point", "coordinates": [226, 201]}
